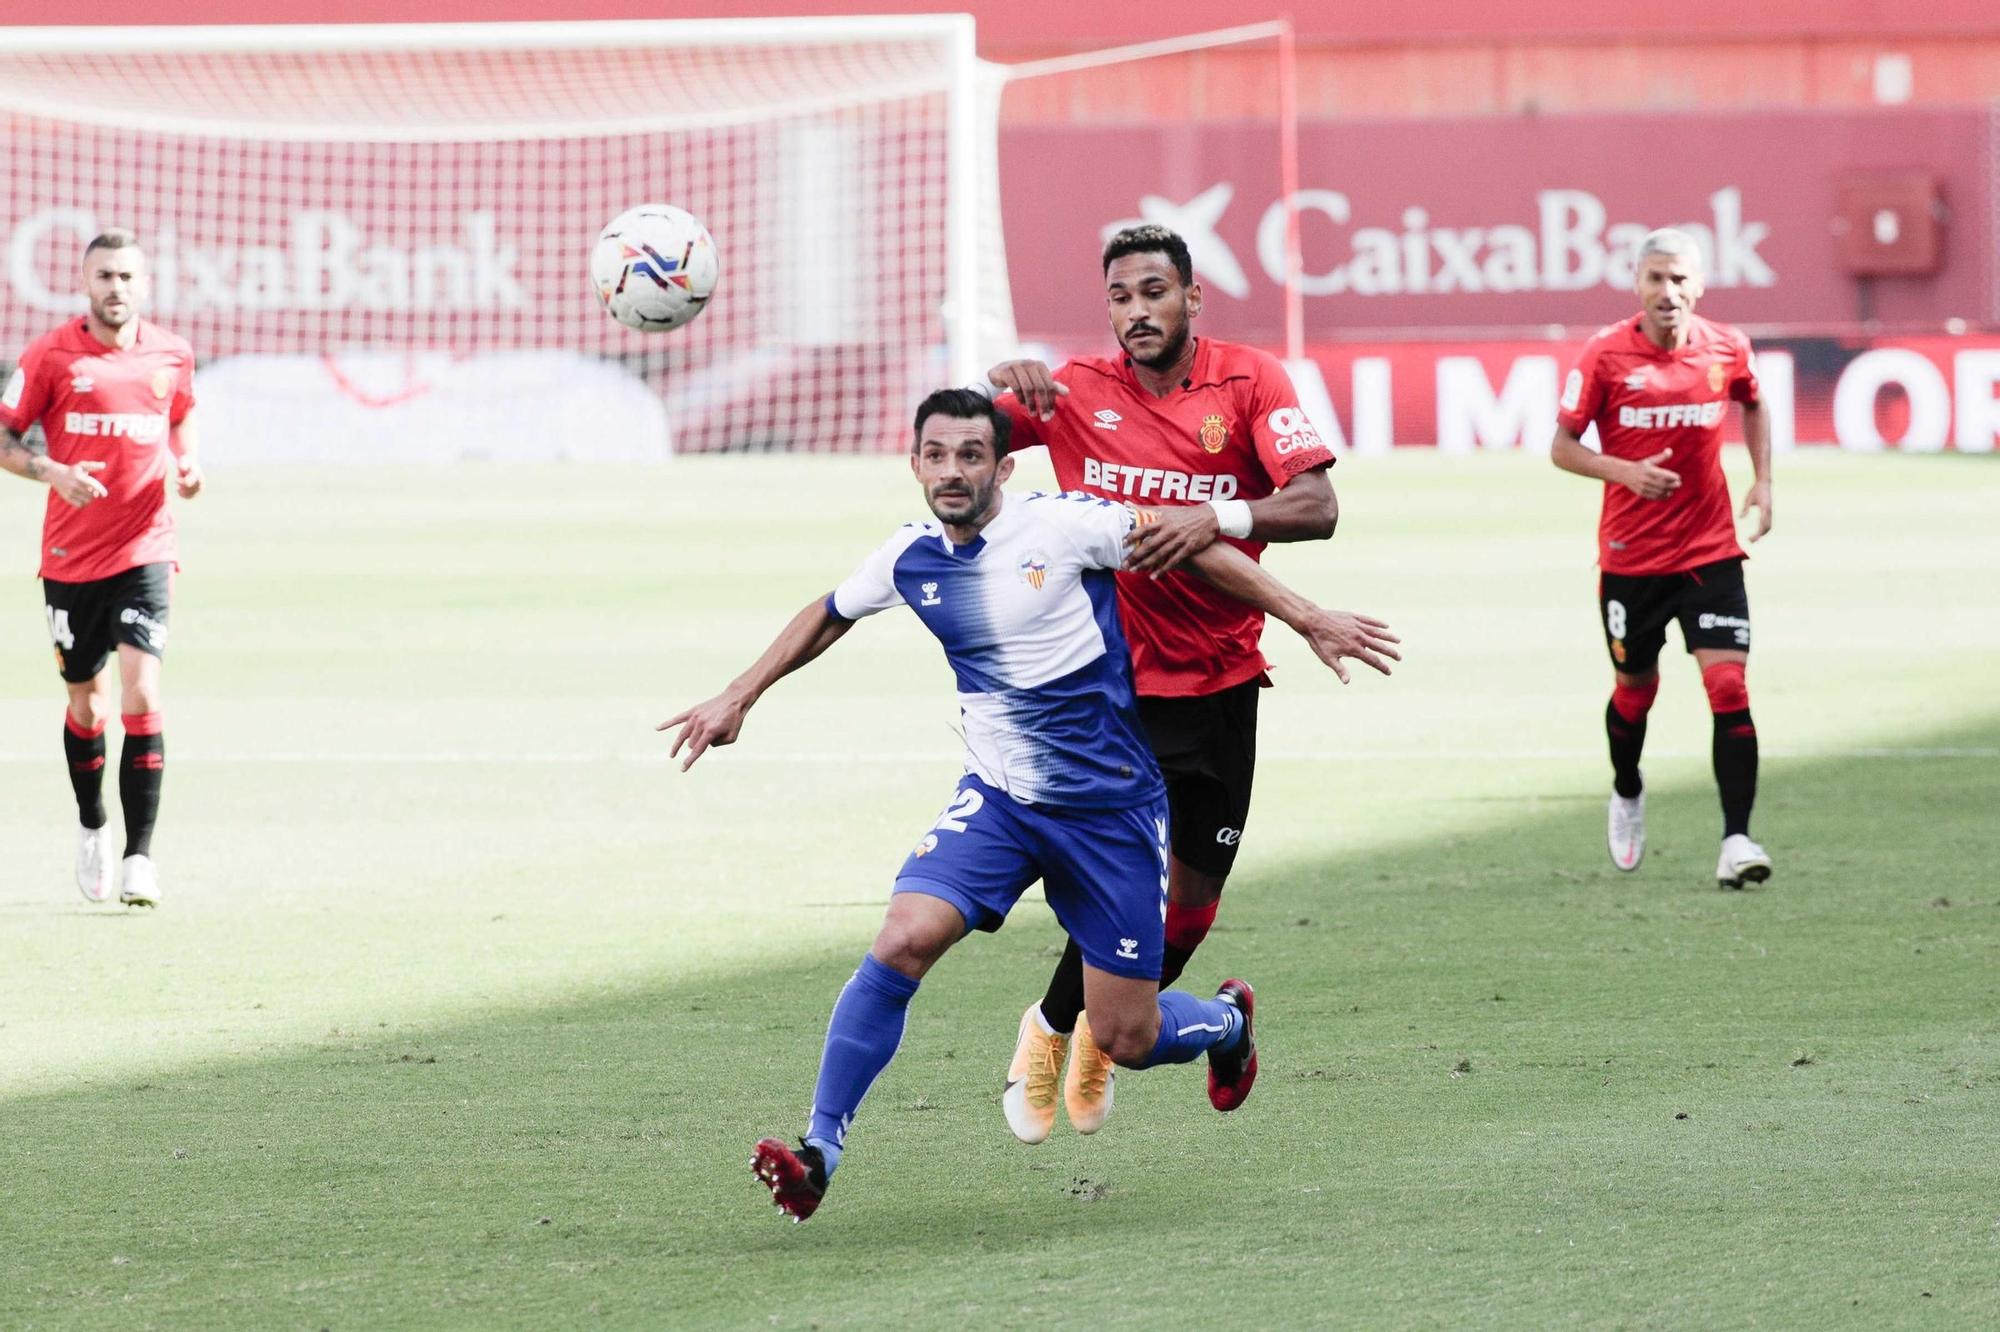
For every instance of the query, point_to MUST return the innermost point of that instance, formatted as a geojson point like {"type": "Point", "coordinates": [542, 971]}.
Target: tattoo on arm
{"type": "Point", "coordinates": [18, 457]}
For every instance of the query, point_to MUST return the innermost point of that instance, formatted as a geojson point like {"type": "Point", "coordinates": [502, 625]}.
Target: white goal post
{"type": "Point", "coordinates": [376, 237]}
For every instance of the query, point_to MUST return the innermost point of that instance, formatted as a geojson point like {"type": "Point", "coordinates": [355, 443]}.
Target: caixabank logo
{"type": "Point", "coordinates": [1570, 243]}
{"type": "Point", "coordinates": [317, 260]}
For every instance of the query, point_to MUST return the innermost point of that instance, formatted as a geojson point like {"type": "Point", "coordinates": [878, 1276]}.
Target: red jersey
{"type": "Point", "coordinates": [114, 405]}
{"type": "Point", "coordinates": [1233, 430]}
{"type": "Point", "coordinates": [1642, 400]}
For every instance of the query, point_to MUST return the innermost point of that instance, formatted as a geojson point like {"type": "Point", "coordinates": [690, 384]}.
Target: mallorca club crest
{"type": "Point", "coordinates": [1035, 570]}
{"type": "Point", "coordinates": [163, 383]}
{"type": "Point", "coordinates": [1214, 432]}
{"type": "Point", "coordinates": [1717, 377]}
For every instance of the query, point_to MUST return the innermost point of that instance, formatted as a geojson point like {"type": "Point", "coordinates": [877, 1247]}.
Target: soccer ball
{"type": "Point", "coordinates": [654, 267]}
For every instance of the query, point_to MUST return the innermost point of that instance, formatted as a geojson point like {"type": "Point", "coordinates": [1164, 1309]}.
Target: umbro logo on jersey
{"type": "Point", "coordinates": [81, 384]}
{"type": "Point", "coordinates": [930, 596]}
{"type": "Point", "coordinates": [1107, 420]}
{"type": "Point", "coordinates": [1636, 380]}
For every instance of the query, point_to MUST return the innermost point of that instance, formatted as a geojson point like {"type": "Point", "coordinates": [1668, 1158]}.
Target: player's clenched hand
{"type": "Point", "coordinates": [190, 479]}
{"type": "Point", "coordinates": [716, 722]}
{"type": "Point", "coordinates": [1174, 536]}
{"type": "Point", "coordinates": [1649, 479]}
{"type": "Point", "coordinates": [1758, 498]}
{"type": "Point", "coordinates": [1031, 382]}
{"type": "Point", "coordinates": [1338, 634]}
{"type": "Point", "coordinates": [76, 484]}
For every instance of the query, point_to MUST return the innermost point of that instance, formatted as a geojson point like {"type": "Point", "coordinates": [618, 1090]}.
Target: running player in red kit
{"type": "Point", "coordinates": [115, 397]}
{"type": "Point", "coordinates": [1211, 434]}
{"type": "Point", "coordinates": [1658, 388]}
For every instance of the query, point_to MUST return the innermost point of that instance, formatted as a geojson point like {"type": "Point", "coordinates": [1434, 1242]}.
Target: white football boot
{"type": "Point", "coordinates": [139, 882]}
{"type": "Point", "coordinates": [1743, 862]}
{"type": "Point", "coordinates": [1034, 1078]}
{"type": "Point", "coordinates": [93, 865]}
{"type": "Point", "coordinates": [1627, 834]}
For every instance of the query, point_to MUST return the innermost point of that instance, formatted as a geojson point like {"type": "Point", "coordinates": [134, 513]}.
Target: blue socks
{"type": "Point", "coordinates": [1191, 1027]}
{"type": "Point", "coordinates": [861, 1039]}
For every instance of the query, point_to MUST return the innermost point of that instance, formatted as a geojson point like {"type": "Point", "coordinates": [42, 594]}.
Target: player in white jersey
{"type": "Point", "coordinates": [1060, 783]}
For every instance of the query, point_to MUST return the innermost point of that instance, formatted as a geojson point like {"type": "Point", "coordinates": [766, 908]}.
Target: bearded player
{"type": "Point", "coordinates": [115, 398]}
{"type": "Point", "coordinates": [1058, 783]}
{"type": "Point", "coordinates": [1211, 435]}
{"type": "Point", "coordinates": [1658, 388]}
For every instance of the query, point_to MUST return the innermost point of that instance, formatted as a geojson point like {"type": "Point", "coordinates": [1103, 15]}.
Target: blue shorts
{"type": "Point", "coordinates": [1104, 871]}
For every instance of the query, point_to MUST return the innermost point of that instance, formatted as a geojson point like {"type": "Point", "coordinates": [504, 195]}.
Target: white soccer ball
{"type": "Point", "coordinates": [654, 267]}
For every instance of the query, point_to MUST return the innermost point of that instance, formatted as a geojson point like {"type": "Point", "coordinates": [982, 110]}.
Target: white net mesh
{"type": "Point", "coordinates": [383, 228]}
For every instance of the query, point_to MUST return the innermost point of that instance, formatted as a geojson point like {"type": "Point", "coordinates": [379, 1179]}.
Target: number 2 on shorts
{"type": "Point", "coordinates": [963, 806]}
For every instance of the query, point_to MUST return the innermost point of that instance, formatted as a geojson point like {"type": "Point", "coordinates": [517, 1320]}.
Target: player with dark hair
{"type": "Point", "coordinates": [1212, 432]}
{"type": "Point", "coordinates": [114, 395]}
{"type": "Point", "coordinates": [1658, 388]}
{"type": "Point", "coordinates": [1059, 782]}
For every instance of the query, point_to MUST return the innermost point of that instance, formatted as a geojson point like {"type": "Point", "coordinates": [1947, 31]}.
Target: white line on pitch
{"type": "Point", "coordinates": [474, 758]}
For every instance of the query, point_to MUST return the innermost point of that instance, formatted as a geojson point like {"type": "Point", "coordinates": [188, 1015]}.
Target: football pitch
{"type": "Point", "coordinates": [465, 1007]}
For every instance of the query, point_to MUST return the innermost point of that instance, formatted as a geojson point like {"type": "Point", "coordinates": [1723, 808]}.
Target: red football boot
{"type": "Point", "coordinates": [1230, 1075]}
{"type": "Point", "coordinates": [797, 1180]}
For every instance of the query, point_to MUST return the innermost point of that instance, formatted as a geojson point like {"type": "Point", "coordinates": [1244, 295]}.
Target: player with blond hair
{"type": "Point", "coordinates": [1658, 388]}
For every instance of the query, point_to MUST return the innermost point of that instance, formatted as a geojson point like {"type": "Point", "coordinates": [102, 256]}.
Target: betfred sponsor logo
{"type": "Point", "coordinates": [1156, 483]}
{"type": "Point", "coordinates": [322, 261]}
{"type": "Point", "coordinates": [141, 427]}
{"type": "Point", "coordinates": [1571, 243]}
{"type": "Point", "coordinates": [1678, 416]}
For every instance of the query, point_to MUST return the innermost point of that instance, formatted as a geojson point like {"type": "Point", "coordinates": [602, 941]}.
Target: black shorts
{"type": "Point", "coordinates": [1709, 601]}
{"type": "Point", "coordinates": [88, 620]}
{"type": "Point", "coordinates": [1207, 749]}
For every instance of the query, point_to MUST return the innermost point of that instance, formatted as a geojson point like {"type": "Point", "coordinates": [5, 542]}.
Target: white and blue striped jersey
{"type": "Point", "coordinates": [1027, 613]}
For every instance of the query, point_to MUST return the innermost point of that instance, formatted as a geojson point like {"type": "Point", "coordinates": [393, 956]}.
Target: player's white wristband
{"type": "Point", "coordinates": [1232, 516]}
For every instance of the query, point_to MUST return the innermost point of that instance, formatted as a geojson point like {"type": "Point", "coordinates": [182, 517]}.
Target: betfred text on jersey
{"type": "Point", "coordinates": [1678, 416]}
{"type": "Point", "coordinates": [140, 427]}
{"type": "Point", "coordinates": [1156, 482]}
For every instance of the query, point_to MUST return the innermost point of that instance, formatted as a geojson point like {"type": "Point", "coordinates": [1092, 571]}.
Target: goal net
{"type": "Point", "coordinates": [376, 238]}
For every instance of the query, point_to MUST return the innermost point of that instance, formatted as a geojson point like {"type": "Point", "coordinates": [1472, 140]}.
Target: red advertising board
{"type": "Point", "coordinates": [1865, 394]}
{"type": "Point", "coordinates": [1928, 394]}
{"type": "Point", "coordinates": [1420, 227]}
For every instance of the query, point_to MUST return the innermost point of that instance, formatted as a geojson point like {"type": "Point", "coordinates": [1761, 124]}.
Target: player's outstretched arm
{"type": "Point", "coordinates": [1648, 478]}
{"type": "Point", "coordinates": [1333, 635]}
{"type": "Point", "coordinates": [75, 484]}
{"type": "Point", "coordinates": [719, 720]}
{"type": "Point", "coordinates": [1305, 510]}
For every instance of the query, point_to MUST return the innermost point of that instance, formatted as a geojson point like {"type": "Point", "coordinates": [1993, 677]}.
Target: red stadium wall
{"type": "Point", "coordinates": [1008, 26]}
{"type": "Point", "coordinates": [1419, 57]}
{"type": "Point", "coordinates": [1411, 228]}
{"type": "Point", "coordinates": [1862, 393]}
{"type": "Point", "coordinates": [1419, 236]}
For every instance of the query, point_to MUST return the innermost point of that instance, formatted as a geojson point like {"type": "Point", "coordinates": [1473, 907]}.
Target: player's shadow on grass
{"type": "Point", "coordinates": [1505, 1011]}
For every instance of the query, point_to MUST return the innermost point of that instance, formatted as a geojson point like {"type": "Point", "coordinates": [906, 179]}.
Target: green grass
{"type": "Point", "coordinates": [465, 1007]}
